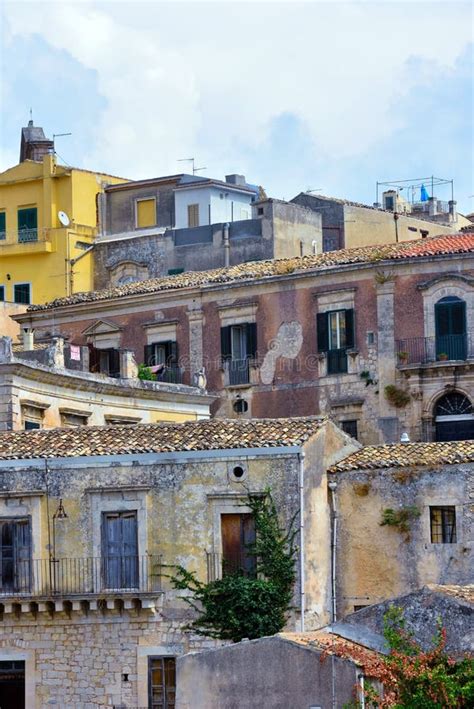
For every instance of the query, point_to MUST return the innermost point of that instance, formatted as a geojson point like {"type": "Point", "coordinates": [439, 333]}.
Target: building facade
{"type": "Point", "coordinates": [93, 518]}
{"type": "Point", "coordinates": [379, 338]}
{"type": "Point", "coordinates": [52, 386]}
{"type": "Point", "coordinates": [48, 221]}
{"type": "Point", "coordinates": [159, 227]}
{"type": "Point", "coordinates": [349, 224]}
{"type": "Point", "coordinates": [403, 520]}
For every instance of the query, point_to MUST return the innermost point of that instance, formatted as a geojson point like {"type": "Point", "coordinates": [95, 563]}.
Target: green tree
{"type": "Point", "coordinates": [237, 606]}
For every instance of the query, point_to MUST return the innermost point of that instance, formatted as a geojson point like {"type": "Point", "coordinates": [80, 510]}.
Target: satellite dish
{"type": "Point", "coordinates": [63, 218]}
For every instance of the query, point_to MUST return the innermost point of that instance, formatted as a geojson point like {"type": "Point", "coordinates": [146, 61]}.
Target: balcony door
{"type": "Point", "coordinates": [15, 560]}
{"type": "Point", "coordinates": [12, 684]}
{"type": "Point", "coordinates": [120, 550]}
{"type": "Point", "coordinates": [238, 533]}
{"type": "Point", "coordinates": [450, 319]}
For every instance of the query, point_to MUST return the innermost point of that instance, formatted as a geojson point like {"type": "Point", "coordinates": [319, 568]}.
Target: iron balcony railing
{"type": "Point", "coordinates": [242, 563]}
{"type": "Point", "coordinates": [422, 350]}
{"type": "Point", "coordinates": [237, 371]}
{"type": "Point", "coordinates": [89, 576]}
{"type": "Point", "coordinates": [170, 374]}
{"type": "Point", "coordinates": [25, 236]}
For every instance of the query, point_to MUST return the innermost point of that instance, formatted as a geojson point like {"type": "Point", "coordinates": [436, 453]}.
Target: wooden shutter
{"type": "Point", "coordinates": [114, 363]}
{"type": "Point", "coordinates": [129, 550]}
{"type": "Point", "coordinates": [226, 349]}
{"type": "Point", "coordinates": [172, 357]}
{"type": "Point", "coordinates": [251, 329]}
{"type": "Point", "coordinates": [458, 318]}
{"type": "Point", "coordinates": [322, 332]}
{"type": "Point", "coordinates": [149, 355]}
{"type": "Point", "coordinates": [94, 358]}
{"type": "Point", "coordinates": [22, 548]}
{"type": "Point", "coordinates": [350, 333]}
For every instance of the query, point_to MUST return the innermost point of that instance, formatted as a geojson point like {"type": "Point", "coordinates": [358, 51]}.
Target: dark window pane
{"type": "Point", "coordinates": [21, 293]}
{"type": "Point", "coordinates": [350, 427]}
{"type": "Point", "coordinates": [443, 525]}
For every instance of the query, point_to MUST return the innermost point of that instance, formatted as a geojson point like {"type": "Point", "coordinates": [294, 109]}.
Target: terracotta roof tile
{"type": "Point", "coordinates": [214, 434]}
{"type": "Point", "coordinates": [461, 593]}
{"type": "Point", "coordinates": [400, 455]}
{"type": "Point", "coordinates": [434, 246]}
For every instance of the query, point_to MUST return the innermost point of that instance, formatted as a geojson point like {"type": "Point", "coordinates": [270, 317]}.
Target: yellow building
{"type": "Point", "coordinates": [48, 221]}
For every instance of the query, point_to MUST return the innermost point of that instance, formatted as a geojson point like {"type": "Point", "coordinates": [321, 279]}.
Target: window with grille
{"type": "Point", "coordinates": [443, 525]}
{"type": "Point", "coordinates": [162, 682]}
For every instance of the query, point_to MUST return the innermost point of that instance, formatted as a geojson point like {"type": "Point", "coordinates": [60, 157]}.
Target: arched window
{"type": "Point", "coordinates": [450, 323]}
{"type": "Point", "coordinates": [454, 418]}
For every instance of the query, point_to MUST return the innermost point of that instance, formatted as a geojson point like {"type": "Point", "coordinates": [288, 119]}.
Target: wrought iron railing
{"type": "Point", "coordinates": [422, 350]}
{"type": "Point", "coordinates": [237, 371]}
{"type": "Point", "coordinates": [25, 236]}
{"type": "Point", "coordinates": [171, 374]}
{"type": "Point", "coordinates": [90, 575]}
{"type": "Point", "coordinates": [218, 565]}
{"type": "Point", "coordinates": [337, 361]}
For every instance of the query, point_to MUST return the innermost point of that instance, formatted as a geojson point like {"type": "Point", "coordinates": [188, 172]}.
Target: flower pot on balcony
{"type": "Point", "coordinates": [403, 357]}
{"type": "Point", "coordinates": [443, 357]}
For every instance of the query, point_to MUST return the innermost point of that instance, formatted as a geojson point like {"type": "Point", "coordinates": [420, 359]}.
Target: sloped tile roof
{"type": "Point", "coordinates": [434, 246]}
{"type": "Point", "coordinates": [460, 593]}
{"type": "Point", "coordinates": [401, 455]}
{"type": "Point", "coordinates": [214, 434]}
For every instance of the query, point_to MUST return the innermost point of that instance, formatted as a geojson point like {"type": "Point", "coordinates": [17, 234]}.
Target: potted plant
{"type": "Point", "coordinates": [403, 357]}
{"type": "Point", "coordinates": [443, 356]}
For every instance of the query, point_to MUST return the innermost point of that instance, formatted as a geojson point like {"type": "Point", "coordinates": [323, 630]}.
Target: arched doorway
{"type": "Point", "coordinates": [454, 418]}
{"type": "Point", "coordinates": [450, 324]}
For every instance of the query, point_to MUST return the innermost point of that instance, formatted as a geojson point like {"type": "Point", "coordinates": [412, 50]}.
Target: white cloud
{"type": "Point", "coordinates": [205, 79]}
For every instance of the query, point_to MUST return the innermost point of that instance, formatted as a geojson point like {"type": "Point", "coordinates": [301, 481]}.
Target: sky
{"type": "Point", "coordinates": [328, 96]}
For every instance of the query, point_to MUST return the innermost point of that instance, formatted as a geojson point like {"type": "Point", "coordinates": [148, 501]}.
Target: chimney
{"type": "Point", "coordinates": [28, 339]}
{"type": "Point", "coordinates": [453, 217]}
{"type": "Point", "coordinates": [432, 206]}
{"type": "Point", "coordinates": [235, 180]}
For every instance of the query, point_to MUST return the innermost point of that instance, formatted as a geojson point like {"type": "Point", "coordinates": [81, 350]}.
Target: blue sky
{"type": "Point", "coordinates": [313, 95]}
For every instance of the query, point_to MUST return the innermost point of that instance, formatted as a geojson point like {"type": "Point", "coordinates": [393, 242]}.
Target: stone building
{"type": "Point", "coordinates": [325, 668]}
{"type": "Point", "coordinates": [347, 224]}
{"type": "Point", "coordinates": [91, 519]}
{"type": "Point", "coordinates": [423, 493]}
{"type": "Point", "coordinates": [50, 385]}
{"type": "Point", "coordinates": [379, 338]}
{"type": "Point", "coordinates": [132, 249]}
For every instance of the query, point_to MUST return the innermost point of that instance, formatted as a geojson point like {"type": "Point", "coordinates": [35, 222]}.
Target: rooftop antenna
{"type": "Point", "coordinates": [309, 190]}
{"type": "Point", "coordinates": [195, 169]}
{"type": "Point", "coordinates": [60, 135]}
{"type": "Point", "coordinates": [31, 115]}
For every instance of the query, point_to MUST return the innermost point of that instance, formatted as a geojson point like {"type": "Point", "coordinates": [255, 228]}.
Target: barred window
{"type": "Point", "coordinates": [443, 525]}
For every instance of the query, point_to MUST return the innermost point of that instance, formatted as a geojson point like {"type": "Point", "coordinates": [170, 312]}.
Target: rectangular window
{"type": "Point", "coordinates": [335, 336]}
{"type": "Point", "coordinates": [162, 682]}
{"type": "Point", "coordinates": [120, 549]}
{"type": "Point", "coordinates": [22, 293]}
{"type": "Point", "coordinates": [238, 536]}
{"type": "Point", "coordinates": [32, 417]}
{"type": "Point", "coordinates": [2, 293]}
{"type": "Point", "coordinates": [164, 355]}
{"type": "Point", "coordinates": [72, 420]}
{"type": "Point", "coordinates": [175, 271]}
{"type": "Point", "coordinates": [28, 224]}
{"type": "Point", "coordinates": [146, 212]}
{"type": "Point", "coordinates": [105, 361]}
{"type": "Point", "coordinates": [15, 551]}
{"type": "Point", "coordinates": [443, 525]}
{"type": "Point", "coordinates": [238, 346]}
{"type": "Point", "coordinates": [350, 427]}
{"type": "Point", "coordinates": [3, 226]}
{"type": "Point", "coordinates": [193, 215]}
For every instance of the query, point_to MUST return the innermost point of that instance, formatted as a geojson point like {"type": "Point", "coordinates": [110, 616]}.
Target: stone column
{"type": "Point", "coordinates": [128, 365]}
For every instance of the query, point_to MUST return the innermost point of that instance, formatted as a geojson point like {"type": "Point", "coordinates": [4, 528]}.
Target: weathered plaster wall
{"type": "Point", "coordinates": [270, 673]}
{"type": "Point", "coordinates": [375, 562]}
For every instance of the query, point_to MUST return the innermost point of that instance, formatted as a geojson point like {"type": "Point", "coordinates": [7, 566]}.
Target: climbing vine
{"type": "Point", "coordinates": [238, 606]}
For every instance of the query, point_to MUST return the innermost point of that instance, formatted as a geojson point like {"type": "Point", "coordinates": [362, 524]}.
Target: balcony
{"type": "Point", "coordinates": [26, 241]}
{"type": "Point", "coordinates": [427, 350]}
{"type": "Point", "coordinates": [243, 563]}
{"type": "Point", "coordinates": [99, 577]}
{"type": "Point", "coordinates": [170, 374]}
{"type": "Point", "coordinates": [236, 372]}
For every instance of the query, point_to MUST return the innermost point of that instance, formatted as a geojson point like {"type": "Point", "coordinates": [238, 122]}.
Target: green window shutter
{"type": "Point", "coordinates": [226, 350]}
{"type": "Point", "coordinates": [350, 331]}
{"type": "Point", "coordinates": [251, 332]}
{"type": "Point", "coordinates": [3, 225]}
{"type": "Point", "coordinates": [323, 332]}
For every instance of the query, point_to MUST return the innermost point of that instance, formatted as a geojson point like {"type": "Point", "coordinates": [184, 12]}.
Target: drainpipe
{"type": "Point", "coordinates": [361, 679]}
{"type": "Point", "coordinates": [333, 486]}
{"type": "Point", "coordinates": [302, 561]}
{"type": "Point", "coordinates": [226, 241]}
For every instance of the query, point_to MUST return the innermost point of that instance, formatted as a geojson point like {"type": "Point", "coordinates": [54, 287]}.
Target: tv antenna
{"type": "Point", "coordinates": [195, 169]}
